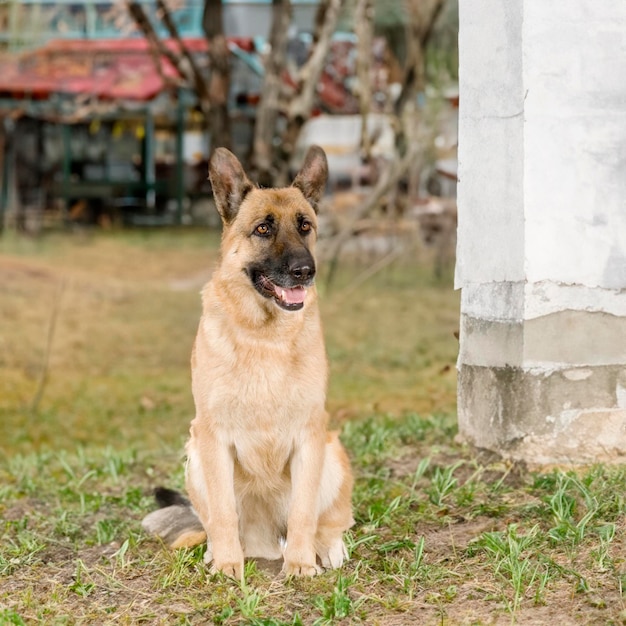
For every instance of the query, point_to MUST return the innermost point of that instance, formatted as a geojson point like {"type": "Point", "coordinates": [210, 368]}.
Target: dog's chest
{"type": "Point", "coordinates": [264, 387]}
{"type": "Point", "coordinates": [261, 402]}
{"type": "Point", "coordinates": [262, 460]}
{"type": "Point", "coordinates": [267, 398]}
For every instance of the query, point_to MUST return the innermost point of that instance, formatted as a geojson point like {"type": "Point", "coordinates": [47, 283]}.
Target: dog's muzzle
{"type": "Point", "coordinates": [288, 288]}
{"type": "Point", "coordinates": [290, 298]}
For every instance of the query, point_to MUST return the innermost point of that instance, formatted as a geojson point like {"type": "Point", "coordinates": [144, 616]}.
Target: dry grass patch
{"type": "Point", "coordinates": [442, 536]}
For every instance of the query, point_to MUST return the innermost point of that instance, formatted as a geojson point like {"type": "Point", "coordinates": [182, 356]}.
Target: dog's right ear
{"type": "Point", "coordinates": [230, 183]}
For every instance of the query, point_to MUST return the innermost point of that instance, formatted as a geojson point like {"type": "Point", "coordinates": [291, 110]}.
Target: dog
{"type": "Point", "coordinates": [264, 476]}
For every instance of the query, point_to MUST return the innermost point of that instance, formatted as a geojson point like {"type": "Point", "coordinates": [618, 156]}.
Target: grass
{"type": "Point", "coordinates": [442, 535]}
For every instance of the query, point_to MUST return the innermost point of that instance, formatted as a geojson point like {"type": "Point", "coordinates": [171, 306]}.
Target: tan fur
{"type": "Point", "coordinates": [189, 540]}
{"type": "Point", "coordinates": [262, 467]}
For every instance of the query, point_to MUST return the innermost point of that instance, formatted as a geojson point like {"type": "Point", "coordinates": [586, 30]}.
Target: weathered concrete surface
{"type": "Point", "coordinates": [499, 413]}
{"type": "Point", "coordinates": [561, 339]}
{"type": "Point", "coordinates": [551, 389]}
{"type": "Point", "coordinates": [542, 120]}
{"type": "Point", "coordinates": [541, 256]}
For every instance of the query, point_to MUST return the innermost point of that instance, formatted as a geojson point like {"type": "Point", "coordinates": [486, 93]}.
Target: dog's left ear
{"type": "Point", "coordinates": [230, 183]}
{"type": "Point", "coordinates": [312, 177]}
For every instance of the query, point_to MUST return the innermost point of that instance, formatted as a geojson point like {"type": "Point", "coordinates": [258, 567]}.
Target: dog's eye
{"type": "Point", "coordinates": [305, 227]}
{"type": "Point", "coordinates": [262, 229]}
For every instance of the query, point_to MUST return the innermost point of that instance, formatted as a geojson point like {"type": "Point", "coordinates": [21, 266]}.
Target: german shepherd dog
{"type": "Point", "coordinates": [264, 476]}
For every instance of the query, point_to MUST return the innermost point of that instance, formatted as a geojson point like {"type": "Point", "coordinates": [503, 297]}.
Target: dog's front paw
{"type": "Point", "coordinates": [229, 564]}
{"type": "Point", "coordinates": [295, 568]}
{"type": "Point", "coordinates": [232, 569]}
{"type": "Point", "coordinates": [299, 559]}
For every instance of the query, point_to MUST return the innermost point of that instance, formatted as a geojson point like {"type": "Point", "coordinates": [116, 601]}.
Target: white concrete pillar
{"type": "Point", "coordinates": [542, 228]}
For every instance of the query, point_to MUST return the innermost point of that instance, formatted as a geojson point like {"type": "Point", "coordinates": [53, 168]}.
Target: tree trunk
{"type": "Point", "coordinates": [422, 17]}
{"type": "Point", "coordinates": [271, 94]}
{"type": "Point", "coordinates": [364, 26]}
{"type": "Point", "coordinates": [300, 107]}
{"type": "Point", "coordinates": [219, 82]}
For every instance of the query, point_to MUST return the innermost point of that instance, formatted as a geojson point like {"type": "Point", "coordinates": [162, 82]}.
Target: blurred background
{"type": "Point", "coordinates": [109, 112]}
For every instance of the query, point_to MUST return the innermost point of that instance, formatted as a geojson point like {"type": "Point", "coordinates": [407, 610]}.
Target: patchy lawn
{"type": "Point", "coordinates": [95, 335]}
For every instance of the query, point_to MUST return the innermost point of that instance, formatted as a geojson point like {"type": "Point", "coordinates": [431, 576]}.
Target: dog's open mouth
{"type": "Point", "coordinates": [288, 298]}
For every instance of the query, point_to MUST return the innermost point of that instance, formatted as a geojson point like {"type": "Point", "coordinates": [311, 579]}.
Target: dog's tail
{"type": "Point", "coordinates": [175, 521]}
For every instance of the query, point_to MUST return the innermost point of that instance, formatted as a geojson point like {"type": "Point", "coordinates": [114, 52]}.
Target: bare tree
{"type": "Point", "coordinates": [274, 143]}
{"type": "Point", "coordinates": [274, 148]}
{"type": "Point", "coordinates": [422, 15]}
{"type": "Point", "coordinates": [211, 91]}
{"type": "Point", "coordinates": [284, 109]}
{"type": "Point", "coordinates": [300, 107]}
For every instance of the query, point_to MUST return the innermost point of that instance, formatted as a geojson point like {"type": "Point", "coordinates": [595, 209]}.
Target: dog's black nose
{"type": "Point", "coordinates": [302, 271]}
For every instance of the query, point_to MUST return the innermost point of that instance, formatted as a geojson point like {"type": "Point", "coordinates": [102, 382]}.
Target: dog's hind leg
{"type": "Point", "coordinates": [335, 505]}
{"type": "Point", "coordinates": [330, 548]}
{"type": "Point", "coordinates": [306, 469]}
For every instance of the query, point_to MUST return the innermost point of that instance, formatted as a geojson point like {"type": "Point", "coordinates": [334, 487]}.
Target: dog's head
{"type": "Point", "coordinates": [269, 234]}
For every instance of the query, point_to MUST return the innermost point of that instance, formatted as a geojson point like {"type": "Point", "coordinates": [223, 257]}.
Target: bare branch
{"type": "Point", "coordinates": [198, 79]}
{"type": "Point", "coordinates": [45, 368]}
{"type": "Point", "coordinates": [423, 15]}
{"type": "Point", "coordinates": [389, 178]}
{"type": "Point", "coordinates": [299, 108]}
{"type": "Point", "coordinates": [320, 19]}
{"type": "Point", "coordinates": [310, 72]}
{"type": "Point", "coordinates": [158, 48]}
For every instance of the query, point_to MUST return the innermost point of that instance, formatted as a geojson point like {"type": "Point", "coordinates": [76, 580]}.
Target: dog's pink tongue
{"type": "Point", "coordinates": [295, 295]}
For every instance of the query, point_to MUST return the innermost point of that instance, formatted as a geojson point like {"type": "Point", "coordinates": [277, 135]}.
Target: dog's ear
{"type": "Point", "coordinates": [312, 177]}
{"type": "Point", "coordinates": [230, 183]}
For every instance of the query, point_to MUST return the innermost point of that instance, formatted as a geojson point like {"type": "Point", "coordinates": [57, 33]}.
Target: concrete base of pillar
{"type": "Point", "coordinates": [574, 415]}
{"type": "Point", "coordinates": [551, 389]}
